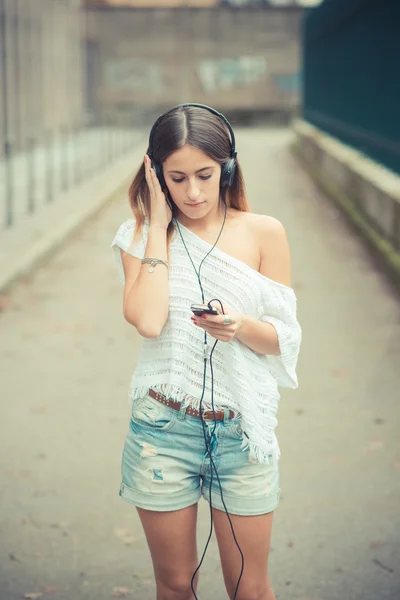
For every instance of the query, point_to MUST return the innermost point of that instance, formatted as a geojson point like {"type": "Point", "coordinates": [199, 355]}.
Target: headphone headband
{"type": "Point", "coordinates": [210, 109]}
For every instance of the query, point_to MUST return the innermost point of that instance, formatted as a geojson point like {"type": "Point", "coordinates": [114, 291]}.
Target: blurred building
{"type": "Point", "coordinates": [41, 75]}
{"type": "Point", "coordinates": [199, 3]}
{"type": "Point", "coordinates": [245, 60]}
{"type": "Point", "coordinates": [153, 3]}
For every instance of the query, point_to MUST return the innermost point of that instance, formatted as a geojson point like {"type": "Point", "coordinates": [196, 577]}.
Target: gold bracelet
{"type": "Point", "coordinates": [153, 262]}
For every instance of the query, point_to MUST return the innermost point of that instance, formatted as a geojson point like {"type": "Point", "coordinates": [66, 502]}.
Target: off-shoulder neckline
{"type": "Point", "coordinates": [234, 260]}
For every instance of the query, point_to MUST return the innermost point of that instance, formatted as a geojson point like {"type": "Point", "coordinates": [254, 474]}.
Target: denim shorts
{"type": "Point", "coordinates": [166, 466]}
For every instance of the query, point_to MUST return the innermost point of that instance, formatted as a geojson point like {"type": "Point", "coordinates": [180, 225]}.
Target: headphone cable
{"type": "Point", "coordinates": [209, 451]}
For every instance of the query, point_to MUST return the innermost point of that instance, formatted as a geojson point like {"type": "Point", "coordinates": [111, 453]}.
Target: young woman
{"type": "Point", "coordinates": [203, 418]}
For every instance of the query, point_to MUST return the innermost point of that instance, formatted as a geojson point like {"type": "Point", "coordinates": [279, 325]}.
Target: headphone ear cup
{"type": "Point", "coordinates": [159, 173]}
{"type": "Point", "coordinates": [228, 173]}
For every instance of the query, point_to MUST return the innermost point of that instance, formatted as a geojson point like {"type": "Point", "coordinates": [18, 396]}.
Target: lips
{"type": "Point", "coordinates": [194, 204]}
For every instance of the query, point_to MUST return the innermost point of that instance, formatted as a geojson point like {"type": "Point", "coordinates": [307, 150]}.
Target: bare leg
{"type": "Point", "coordinates": [171, 537]}
{"type": "Point", "coordinates": [254, 537]}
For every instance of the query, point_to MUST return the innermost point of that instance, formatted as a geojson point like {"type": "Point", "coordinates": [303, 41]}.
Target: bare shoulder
{"type": "Point", "coordinates": [264, 224]}
{"type": "Point", "coordinates": [258, 224]}
{"type": "Point", "coordinates": [274, 247]}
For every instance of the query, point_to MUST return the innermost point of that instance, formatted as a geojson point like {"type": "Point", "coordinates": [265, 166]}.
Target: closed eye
{"type": "Point", "coordinates": [203, 177]}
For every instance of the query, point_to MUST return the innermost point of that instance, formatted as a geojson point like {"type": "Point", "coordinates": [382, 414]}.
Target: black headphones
{"type": "Point", "coordinates": [228, 169]}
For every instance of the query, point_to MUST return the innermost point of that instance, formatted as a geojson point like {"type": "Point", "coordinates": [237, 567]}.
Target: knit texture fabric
{"type": "Point", "coordinates": [244, 381]}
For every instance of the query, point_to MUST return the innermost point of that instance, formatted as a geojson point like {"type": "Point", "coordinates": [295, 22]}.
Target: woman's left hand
{"type": "Point", "coordinates": [215, 327]}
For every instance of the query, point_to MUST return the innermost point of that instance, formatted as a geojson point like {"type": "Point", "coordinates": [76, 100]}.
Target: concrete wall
{"type": "Point", "coordinates": [234, 59]}
{"type": "Point", "coordinates": [41, 77]}
{"type": "Point", "coordinates": [368, 193]}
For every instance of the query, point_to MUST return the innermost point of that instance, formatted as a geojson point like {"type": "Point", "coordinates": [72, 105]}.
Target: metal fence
{"type": "Point", "coordinates": [351, 82]}
{"type": "Point", "coordinates": [47, 142]}
{"type": "Point", "coordinates": [52, 164]}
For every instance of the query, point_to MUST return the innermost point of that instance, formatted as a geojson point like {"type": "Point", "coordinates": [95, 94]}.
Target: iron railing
{"type": "Point", "coordinates": [351, 80]}
{"type": "Point", "coordinates": [47, 144]}
{"type": "Point", "coordinates": [55, 162]}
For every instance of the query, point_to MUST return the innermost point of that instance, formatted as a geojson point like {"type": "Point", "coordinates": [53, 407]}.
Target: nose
{"type": "Point", "coordinates": [193, 191]}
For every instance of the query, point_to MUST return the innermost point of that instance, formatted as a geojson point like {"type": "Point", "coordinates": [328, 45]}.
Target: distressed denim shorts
{"type": "Point", "coordinates": [165, 464]}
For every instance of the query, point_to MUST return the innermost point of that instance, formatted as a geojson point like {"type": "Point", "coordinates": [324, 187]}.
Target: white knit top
{"type": "Point", "coordinates": [244, 381]}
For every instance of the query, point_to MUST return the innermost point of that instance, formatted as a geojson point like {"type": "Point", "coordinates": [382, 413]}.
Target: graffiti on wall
{"type": "Point", "coordinates": [289, 83]}
{"type": "Point", "coordinates": [129, 75]}
{"type": "Point", "coordinates": [226, 74]}
{"type": "Point", "coordinates": [133, 74]}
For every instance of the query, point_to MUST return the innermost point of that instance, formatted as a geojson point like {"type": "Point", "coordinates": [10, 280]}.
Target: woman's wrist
{"type": "Point", "coordinates": [241, 326]}
{"type": "Point", "coordinates": [157, 228]}
{"type": "Point", "coordinates": [258, 336]}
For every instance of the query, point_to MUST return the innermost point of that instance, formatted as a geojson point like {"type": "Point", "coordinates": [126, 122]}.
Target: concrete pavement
{"type": "Point", "coordinates": [66, 359]}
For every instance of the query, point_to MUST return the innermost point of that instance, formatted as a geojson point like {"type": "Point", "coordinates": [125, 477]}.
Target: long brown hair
{"type": "Point", "coordinates": [201, 129]}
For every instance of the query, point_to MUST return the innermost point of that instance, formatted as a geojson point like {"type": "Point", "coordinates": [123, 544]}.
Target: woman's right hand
{"type": "Point", "coordinates": [161, 214]}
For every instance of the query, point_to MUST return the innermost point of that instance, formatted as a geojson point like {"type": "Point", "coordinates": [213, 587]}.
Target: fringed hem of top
{"type": "Point", "coordinates": [256, 454]}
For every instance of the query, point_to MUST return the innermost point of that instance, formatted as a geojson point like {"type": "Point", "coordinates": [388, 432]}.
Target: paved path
{"type": "Point", "coordinates": [66, 358]}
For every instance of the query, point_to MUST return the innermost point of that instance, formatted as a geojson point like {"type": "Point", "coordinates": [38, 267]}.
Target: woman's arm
{"type": "Point", "coordinates": [258, 336]}
{"type": "Point", "coordinates": [146, 293]}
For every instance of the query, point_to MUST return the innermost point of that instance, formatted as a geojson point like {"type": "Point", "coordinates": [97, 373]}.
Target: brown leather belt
{"type": "Point", "coordinates": [218, 415]}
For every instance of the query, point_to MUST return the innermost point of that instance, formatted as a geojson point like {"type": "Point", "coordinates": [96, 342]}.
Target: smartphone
{"type": "Point", "coordinates": [203, 309]}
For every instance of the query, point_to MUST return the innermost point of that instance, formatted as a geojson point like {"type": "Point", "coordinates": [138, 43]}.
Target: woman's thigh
{"type": "Point", "coordinates": [253, 535]}
{"type": "Point", "coordinates": [171, 537]}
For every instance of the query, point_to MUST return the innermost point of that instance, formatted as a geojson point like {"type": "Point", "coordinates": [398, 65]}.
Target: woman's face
{"type": "Point", "coordinates": [193, 180]}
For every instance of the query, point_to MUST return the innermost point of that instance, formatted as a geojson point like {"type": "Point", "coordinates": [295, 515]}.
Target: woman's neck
{"type": "Point", "coordinates": [209, 222]}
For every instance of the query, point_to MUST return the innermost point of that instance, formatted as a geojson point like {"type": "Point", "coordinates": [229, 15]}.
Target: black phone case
{"type": "Point", "coordinates": [205, 311]}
